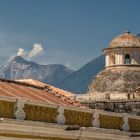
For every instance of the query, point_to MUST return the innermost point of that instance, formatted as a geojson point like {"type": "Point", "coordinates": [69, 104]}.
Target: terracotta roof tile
{"type": "Point", "coordinates": [26, 91]}
{"type": "Point", "coordinates": [41, 84]}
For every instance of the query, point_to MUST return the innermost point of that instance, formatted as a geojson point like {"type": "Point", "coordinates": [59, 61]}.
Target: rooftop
{"type": "Point", "coordinates": [25, 91]}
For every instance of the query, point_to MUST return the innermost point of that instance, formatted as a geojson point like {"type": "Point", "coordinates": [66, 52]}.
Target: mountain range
{"type": "Point", "coordinates": [19, 68]}
{"type": "Point", "coordinates": [55, 74]}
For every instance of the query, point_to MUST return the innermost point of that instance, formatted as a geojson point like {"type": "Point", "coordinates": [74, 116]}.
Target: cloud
{"type": "Point", "coordinates": [21, 52]}
{"type": "Point", "coordinates": [36, 49]}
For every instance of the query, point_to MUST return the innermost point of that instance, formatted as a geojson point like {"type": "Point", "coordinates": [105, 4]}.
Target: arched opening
{"type": "Point", "coordinates": [127, 59]}
{"type": "Point", "coordinates": [128, 96]}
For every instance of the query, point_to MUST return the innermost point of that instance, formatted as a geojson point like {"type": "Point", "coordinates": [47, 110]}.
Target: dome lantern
{"type": "Point", "coordinates": [123, 50]}
{"type": "Point", "coordinates": [127, 32]}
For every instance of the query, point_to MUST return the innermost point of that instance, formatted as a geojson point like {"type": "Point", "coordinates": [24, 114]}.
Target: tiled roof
{"type": "Point", "coordinates": [26, 91]}
{"type": "Point", "coordinates": [41, 84]}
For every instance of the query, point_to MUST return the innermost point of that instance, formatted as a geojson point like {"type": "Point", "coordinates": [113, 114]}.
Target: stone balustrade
{"type": "Point", "coordinates": [64, 115]}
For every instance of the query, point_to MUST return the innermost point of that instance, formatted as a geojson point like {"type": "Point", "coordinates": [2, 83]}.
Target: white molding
{"type": "Point", "coordinates": [52, 130]}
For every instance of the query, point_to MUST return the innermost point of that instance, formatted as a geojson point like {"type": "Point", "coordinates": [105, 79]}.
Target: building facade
{"type": "Point", "coordinates": [117, 87]}
{"type": "Point", "coordinates": [29, 112]}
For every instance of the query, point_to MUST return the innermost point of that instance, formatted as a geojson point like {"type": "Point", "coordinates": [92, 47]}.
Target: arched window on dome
{"type": "Point", "coordinates": [127, 59]}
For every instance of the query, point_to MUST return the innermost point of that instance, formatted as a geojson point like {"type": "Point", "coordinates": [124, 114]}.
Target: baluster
{"type": "Point", "coordinates": [96, 122]}
{"type": "Point", "coordinates": [125, 125]}
{"type": "Point", "coordinates": [60, 119]}
{"type": "Point", "coordinates": [19, 110]}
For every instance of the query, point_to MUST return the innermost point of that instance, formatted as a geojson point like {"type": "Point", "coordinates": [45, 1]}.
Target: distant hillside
{"type": "Point", "coordinates": [19, 68]}
{"type": "Point", "coordinates": [78, 81]}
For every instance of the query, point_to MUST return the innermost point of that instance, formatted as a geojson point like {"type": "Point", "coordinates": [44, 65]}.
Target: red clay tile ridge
{"type": "Point", "coordinates": [26, 91]}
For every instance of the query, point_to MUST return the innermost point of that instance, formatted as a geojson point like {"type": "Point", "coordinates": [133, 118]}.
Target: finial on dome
{"type": "Point", "coordinates": [127, 32]}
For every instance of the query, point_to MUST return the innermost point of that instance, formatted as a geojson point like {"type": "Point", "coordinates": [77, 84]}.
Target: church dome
{"type": "Point", "coordinates": [123, 80]}
{"type": "Point", "coordinates": [125, 40]}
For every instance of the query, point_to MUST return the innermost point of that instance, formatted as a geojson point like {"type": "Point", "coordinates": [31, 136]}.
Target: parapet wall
{"type": "Point", "coordinates": [114, 96]}
{"type": "Point", "coordinates": [33, 111]}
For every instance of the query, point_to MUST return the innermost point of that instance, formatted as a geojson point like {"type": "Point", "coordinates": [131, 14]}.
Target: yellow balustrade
{"type": "Point", "coordinates": [73, 116]}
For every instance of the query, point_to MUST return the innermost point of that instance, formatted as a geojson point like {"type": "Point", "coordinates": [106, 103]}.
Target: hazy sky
{"type": "Point", "coordinates": [70, 32]}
